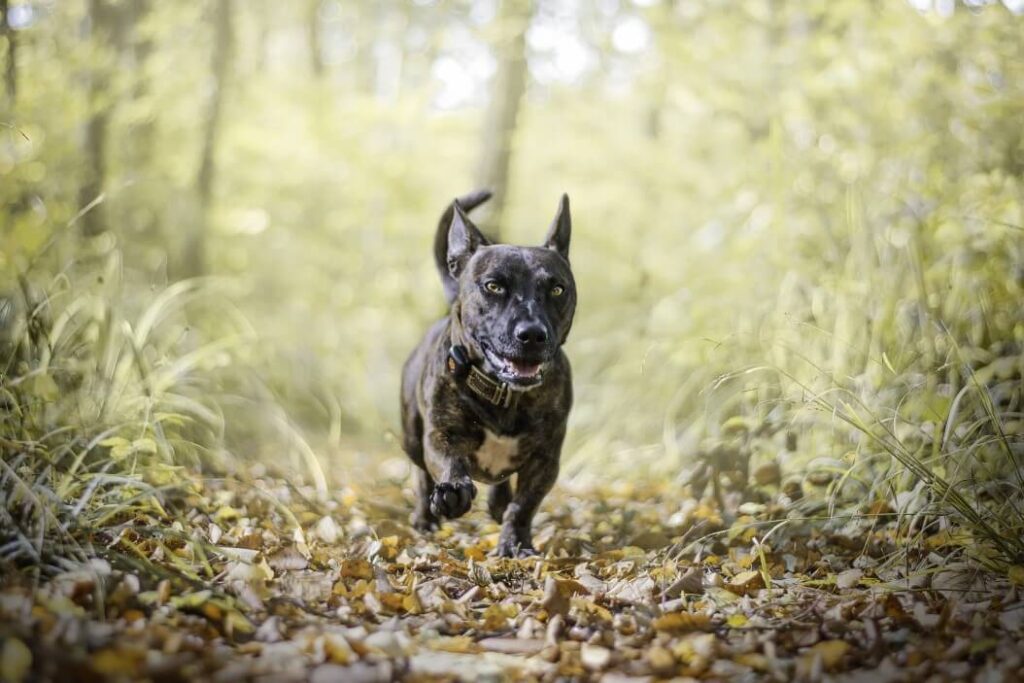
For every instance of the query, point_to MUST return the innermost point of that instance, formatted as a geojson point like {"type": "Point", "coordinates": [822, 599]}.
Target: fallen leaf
{"type": "Point", "coordinates": [1016, 574]}
{"type": "Point", "coordinates": [15, 661]}
{"type": "Point", "coordinates": [831, 653]}
{"type": "Point", "coordinates": [746, 582]}
{"type": "Point", "coordinates": [678, 622]}
{"type": "Point", "coordinates": [848, 578]}
{"type": "Point", "coordinates": [595, 657]}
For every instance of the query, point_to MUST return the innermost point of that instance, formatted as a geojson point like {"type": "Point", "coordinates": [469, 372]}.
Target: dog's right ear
{"type": "Point", "coordinates": [464, 238]}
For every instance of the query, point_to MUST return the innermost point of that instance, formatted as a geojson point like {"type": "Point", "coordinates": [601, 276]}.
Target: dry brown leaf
{"type": "Point", "coordinates": [681, 622]}
{"type": "Point", "coordinates": [829, 652]}
{"type": "Point", "coordinates": [356, 569]}
{"type": "Point", "coordinates": [746, 582]}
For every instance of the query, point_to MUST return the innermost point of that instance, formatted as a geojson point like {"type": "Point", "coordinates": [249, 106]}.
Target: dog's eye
{"type": "Point", "coordinates": [557, 290]}
{"type": "Point", "coordinates": [493, 287]}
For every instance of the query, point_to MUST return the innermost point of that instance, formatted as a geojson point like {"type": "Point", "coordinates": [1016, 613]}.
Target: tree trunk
{"type": "Point", "coordinates": [194, 261]}
{"type": "Point", "coordinates": [315, 37]}
{"type": "Point", "coordinates": [106, 29]}
{"type": "Point", "coordinates": [11, 68]}
{"type": "Point", "coordinates": [263, 22]}
{"type": "Point", "coordinates": [503, 109]}
{"type": "Point", "coordinates": [143, 46]}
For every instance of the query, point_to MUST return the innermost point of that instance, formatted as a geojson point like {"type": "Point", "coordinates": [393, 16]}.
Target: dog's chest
{"type": "Point", "coordinates": [497, 454]}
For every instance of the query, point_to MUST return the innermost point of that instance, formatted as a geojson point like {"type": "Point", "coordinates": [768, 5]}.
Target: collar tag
{"type": "Point", "coordinates": [458, 361]}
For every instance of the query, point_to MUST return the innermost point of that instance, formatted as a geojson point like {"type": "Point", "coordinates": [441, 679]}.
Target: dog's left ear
{"type": "Point", "coordinates": [560, 230]}
{"type": "Point", "coordinates": [463, 239]}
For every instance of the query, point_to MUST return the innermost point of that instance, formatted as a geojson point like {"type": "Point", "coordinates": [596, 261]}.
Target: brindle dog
{"type": "Point", "coordinates": [487, 392]}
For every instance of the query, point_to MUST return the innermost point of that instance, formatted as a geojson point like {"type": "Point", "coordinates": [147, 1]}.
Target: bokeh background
{"type": "Point", "coordinates": [798, 226]}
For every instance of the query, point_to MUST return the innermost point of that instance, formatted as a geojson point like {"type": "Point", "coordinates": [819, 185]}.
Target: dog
{"type": "Point", "coordinates": [487, 392]}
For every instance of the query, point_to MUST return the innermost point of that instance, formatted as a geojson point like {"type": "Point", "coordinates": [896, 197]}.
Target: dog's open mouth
{"type": "Point", "coordinates": [515, 370]}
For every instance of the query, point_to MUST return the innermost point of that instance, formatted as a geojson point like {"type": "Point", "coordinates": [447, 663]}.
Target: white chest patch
{"type": "Point", "coordinates": [496, 453]}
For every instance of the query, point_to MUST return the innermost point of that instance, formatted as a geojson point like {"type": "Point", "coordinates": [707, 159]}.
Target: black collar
{"type": "Point", "coordinates": [491, 390]}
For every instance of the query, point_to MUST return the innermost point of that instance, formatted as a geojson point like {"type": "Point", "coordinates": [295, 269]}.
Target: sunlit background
{"type": "Point", "coordinates": [217, 214]}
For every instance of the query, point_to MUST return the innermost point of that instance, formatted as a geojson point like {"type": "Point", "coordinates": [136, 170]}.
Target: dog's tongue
{"type": "Point", "coordinates": [525, 369]}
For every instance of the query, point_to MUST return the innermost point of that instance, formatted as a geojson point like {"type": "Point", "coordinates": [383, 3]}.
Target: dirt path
{"type": "Point", "coordinates": [638, 582]}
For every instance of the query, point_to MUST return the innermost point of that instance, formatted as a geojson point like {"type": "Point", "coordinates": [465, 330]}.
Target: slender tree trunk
{"type": "Point", "coordinates": [11, 68]}
{"type": "Point", "coordinates": [503, 109]}
{"type": "Point", "coordinates": [263, 21]}
{"type": "Point", "coordinates": [143, 46]}
{"type": "Point", "coordinates": [194, 261]}
{"type": "Point", "coordinates": [106, 30]}
{"type": "Point", "coordinates": [315, 36]}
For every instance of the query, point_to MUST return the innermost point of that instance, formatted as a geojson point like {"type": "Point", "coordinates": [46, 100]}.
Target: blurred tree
{"type": "Point", "coordinates": [503, 109]}
{"type": "Point", "coordinates": [143, 45]}
{"type": "Point", "coordinates": [194, 257]}
{"type": "Point", "coordinates": [107, 35]}
{"type": "Point", "coordinates": [10, 68]}
{"type": "Point", "coordinates": [314, 34]}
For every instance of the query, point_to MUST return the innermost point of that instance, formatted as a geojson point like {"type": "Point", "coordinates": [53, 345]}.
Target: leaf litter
{"type": "Point", "coordinates": [265, 580]}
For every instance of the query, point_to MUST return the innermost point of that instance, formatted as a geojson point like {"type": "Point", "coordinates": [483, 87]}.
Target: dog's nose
{"type": "Point", "coordinates": [531, 333]}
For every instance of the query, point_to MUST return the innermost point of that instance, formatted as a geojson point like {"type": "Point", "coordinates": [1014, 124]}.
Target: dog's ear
{"type": "Point", "coordinates": [560, 230]}
{"type": "Point", "coordinates": [464, 238]}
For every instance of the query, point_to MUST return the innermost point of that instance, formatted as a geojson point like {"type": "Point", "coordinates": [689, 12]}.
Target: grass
{"type": "Point", "coordinates": [104, 405]}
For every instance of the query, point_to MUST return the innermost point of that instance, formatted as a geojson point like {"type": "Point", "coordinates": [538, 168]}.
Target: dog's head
{"type": "Point", "coordinates": [515, 304]}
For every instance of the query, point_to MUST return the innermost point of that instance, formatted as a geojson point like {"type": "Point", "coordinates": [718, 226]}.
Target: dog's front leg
{"type": "Point", "coordinates": [533, 482]}
{"type": "Point", "coordinates": [422, 518]}
{"type": "Point", "coordinates": [453, 491]}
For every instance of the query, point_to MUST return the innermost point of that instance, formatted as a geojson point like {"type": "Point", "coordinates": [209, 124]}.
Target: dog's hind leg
{"type": "Point", "coordinates": [422, 518]}
{"type": "Point", "coordinates": [498, 499]}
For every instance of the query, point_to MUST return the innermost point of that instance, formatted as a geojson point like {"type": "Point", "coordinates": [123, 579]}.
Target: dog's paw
{"type": "Point", "coordinates": [513, 547]}
{"type": "Point", "coordinates": [452, 499]}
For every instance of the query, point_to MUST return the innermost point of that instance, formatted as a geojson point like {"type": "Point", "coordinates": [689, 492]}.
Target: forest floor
{"type": "Point", "coordinates": [264, 580]}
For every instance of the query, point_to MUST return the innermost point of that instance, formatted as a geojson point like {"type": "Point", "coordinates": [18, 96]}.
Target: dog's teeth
{"type": "Point", "coordinates": [525, 370]}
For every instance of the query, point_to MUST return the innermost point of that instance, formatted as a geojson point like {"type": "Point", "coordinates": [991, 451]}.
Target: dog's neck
{"type": "Point", "coordinates": [467, 371]}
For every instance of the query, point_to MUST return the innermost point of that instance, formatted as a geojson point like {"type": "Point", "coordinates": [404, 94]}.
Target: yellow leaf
{"type": "Point", "coordinates": [116, 663]}
{"type": "Point", "coordinates": [356, 569]}
{"type": "Point", "coordinates": [947, 538]}
{"type": "Point", "coordinates": [235, 623]}
{"type": "Point", "coordinates": [192, 601]}
{"type": "Point", "coordinates": [226, 513]}
{"type": "Point", "coordinates": [392, 602]}
{"type": "Point", "coordinates": [495, 619]}
{"type": "Point", "coordinates": [1016, 574]}
{"type": "Point", "coordinates": [15, 661]}
{"type": "Point", "coordinates": [737, 620]}
{"type": "Point", "coordinates": [475, 553]}
{"type": "Point", "coordinates": [592, 608]}
{"type": "Point", "coordinates": [337, 649]}
{"type": "Point", "coordinates": [411, 603]}
{"type": "Point", "coordinates": [457, 644]}
{"type": "Point", "coordinates": [831, 653]}
{"type": "Point", "coordinates": [682, 621]}
{"type": "Point", "coordinates": [746, 582]}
